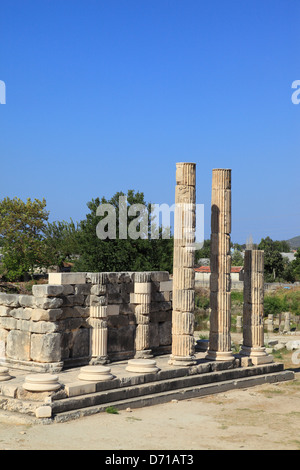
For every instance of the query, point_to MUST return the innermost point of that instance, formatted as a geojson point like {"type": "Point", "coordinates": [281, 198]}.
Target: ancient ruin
{"type": "Point", "coordinates": [127, 338]}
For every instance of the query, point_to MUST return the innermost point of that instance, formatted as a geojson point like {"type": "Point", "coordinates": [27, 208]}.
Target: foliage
{"type": "Point", "coordinates": [204, 252]}
{"type": "Point", "coordinates": [141, 254]}
{"type": "Point", "coordinates": [60, 243]}
{"type": "Point", "coordinates": [237, 258]}
{"type": "Point", "coordinates": [21, 233]}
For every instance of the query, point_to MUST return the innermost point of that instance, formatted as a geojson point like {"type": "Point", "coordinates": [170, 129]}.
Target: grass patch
{"type": "Point", "coordinates": [112, 410]}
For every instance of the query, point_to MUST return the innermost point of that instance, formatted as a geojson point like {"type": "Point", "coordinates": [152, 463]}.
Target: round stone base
{"type": "Point", "coordinates": [95, 373]}
{"type": "Point", "coordinates": [41, 383]}
{"type": "Point", "coordinates": [4, 374]}
{"type": "Point", "coordinates": [142, 366]}
{"type": "Point", "coordinates": [182, 361]}
{"type": "Point", "coordinates": [253, 352]}
{"type": "Point", "coordinates": [219, 356]}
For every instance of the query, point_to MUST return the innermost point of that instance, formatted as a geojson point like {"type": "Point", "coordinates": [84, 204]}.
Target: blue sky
{"type": "Point", "coordinates": [107, 95]}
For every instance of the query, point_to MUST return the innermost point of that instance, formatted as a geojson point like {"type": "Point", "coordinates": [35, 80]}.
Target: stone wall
{"type": "Point", "coordinates": [51, 329]}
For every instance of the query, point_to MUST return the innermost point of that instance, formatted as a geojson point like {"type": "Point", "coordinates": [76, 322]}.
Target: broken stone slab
{"type": "Point", "coordinates": [290, 345]}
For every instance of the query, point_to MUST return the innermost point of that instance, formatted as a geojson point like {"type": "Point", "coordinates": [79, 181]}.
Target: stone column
{"type": "Point", "coordinates": [253, 312]}
{"type": "Point", "coordinates": [142, 299]}
{"type": "Point", "coordinates": [220, 267]}
{"type": "Point", "coordinates": [98, 320]}
{"type": "Point", "coordinates": [183, 343]}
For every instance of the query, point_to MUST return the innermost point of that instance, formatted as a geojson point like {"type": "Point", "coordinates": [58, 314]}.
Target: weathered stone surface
{"type": "Point", "coordinates": [47, 290]}
{"type": "Point", "coordinates": [40, 314]}
{"type": "Point", "coordinates": [21, 313]}
{"type": "Point", "coordinates": [45, 348]}
{"type": "Point", "coordinates": [9, 300]}
{"type": "Point", "coordinates": [48, 302]}
{"type": "Point", "coordinates": [27, 300]}
{"type": "Point", "coordinates": [67, 278]}
{"type": "Point", "coordinates": [18, 345]}
{"type": "Point", "coordinates": [4, 311]}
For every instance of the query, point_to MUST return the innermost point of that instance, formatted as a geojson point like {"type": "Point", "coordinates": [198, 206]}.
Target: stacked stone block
{"type": "Point", "coordinates": [142, 301]}
{"type": "Point", "coordinates": [253, 310]}
{"type": "Point", "coordinates": [183, 344]}
{"type": "Point", "coordinates": [98, 320]}
{"type": "Point", "coordinates": [220, 265]}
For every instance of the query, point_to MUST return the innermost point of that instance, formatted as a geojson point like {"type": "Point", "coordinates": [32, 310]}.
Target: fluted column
{"type": "Point", "coordinates": [183, 344]}
{"type": "Point", "coordinates": [220, 267]}
{"type": "Point", "coordinates": [253, 310]}
{"type": "Point", "coordinates": [142, 300]}
{"type": "Point", "coordinates": [98, 320]}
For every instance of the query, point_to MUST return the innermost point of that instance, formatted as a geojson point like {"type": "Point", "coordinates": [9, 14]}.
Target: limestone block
{"type": "Point", "coordinates": [220, 263]}
{"type": "Point", "coordinates": [184, 257]}
{"type": "Point", "coordinates": [220, 282]}
{"type": "Point", "coordinates": [47, 290]}
{"type": "Point", "coordinates": [40, 314]}
{"type": "Point", "coordinates": [113, 310]}
{"type": "Point", "coordinates": [182, 323]}
{"type": "Point", "coordinates": [183, 278]}
{"type": "Point", "coordinates": [41, 383]}
{"type": "Point", "coordinates": [9, 300]}
{"type": "Point", "coordinates": [98, 311]}
{"type": "Point", "coordinates": [221, 178]}
{"type": "Point", "coordinates": [44, 411]}
{"type": "Point", "coordinates": [159, 276]}
{"type": "Point", "coordinates": [4, 311]}
{"type": "Point", "coordinates": [184, 300]}
{"type": "Point", "coordinates": [18, 345]}
{"type": "Point", "coordinates": [48, 302]}
{"type": "Point", "coordinates": [166, 286]}
{"type": "Point", "coordinates": [37, 327]}
{"type": "Point", "coordinates": [186, 173]}
{"type": "Point", "coordinates": [141, 277]}
{"type": "Point", "coordinates": [67, 278]}
{"type": "Point", "coordinates": [183, 345]}
{"type": "Point", "coordinates": [95, 373]}
{"type": "Point", "coordinates": [8, 323]}
{"type": "Point", "coordinates": [142, 366]}
{"type": "Point", "coordinates": [98, 300]}
{"type": "Point", "coordinates": [98, 289]}
{"type": "Point", "coordinates": [80, 342]}
{"type": "Point", "coordinates": [27, 300]}
{"type": "Point", "coordinates": [21, 313]}
{"type": "Point", "coordinates": [45, 347]}
{"type": "Point", "coordinates": [82, 289]}
{"type": "Point", "coordinates": [142, 288]}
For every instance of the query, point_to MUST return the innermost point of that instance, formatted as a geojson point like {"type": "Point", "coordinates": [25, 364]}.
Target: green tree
{"type": "Point", "coordinates": [296, 265]}
{"type": "Point", "coordinates": [60, 243]}
{"type": "Point", "coordinates": [237, 258]}
{"type": "Point", "coordinates": [204, 252]}
{"type": "Point", "coordinates": [21, 233]}
{"type": "Point", "coordinates": [121, 254]}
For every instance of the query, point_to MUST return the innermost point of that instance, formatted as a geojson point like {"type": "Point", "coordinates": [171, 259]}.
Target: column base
{"type": "Point", "coordinates": [256, 355]}
{"type": "Point", "coordinates": [182, 361]}
{"type": "Point", "coordinates": [100, 360]}
{"type": "Point", "coordinates": [219, 356]}
{"type": "Point", "coordinates": [145, 354]}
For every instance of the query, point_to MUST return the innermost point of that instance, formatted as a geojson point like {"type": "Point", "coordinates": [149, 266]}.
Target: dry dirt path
{"type": "Point", "coordinates": [263, 417]}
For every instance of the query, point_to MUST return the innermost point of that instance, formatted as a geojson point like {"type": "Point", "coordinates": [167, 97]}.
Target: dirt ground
{"type": "Point", "coordinates": [261, 418]}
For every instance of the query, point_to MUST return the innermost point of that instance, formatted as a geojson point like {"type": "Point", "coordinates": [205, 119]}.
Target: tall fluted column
{"type": "Point", "coordinates": [183, 344]}
{"type": "Point", "coordinates": [98, 320]}
{"type": "Point", "coordinates": [220, 267]}
{"type": "Point", "coordinates": [142, 299]}
{"type": "Point", "coordinates": [253, 311]}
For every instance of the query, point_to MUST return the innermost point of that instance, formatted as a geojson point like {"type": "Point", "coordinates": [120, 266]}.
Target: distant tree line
{"type": "Point", "coordinates": [28, 241]}
{"type": "Point", "coordinates": [277, 267]}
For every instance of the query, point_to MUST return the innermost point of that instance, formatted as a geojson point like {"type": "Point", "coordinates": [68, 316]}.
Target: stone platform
{"type": "Point", "coordinates": [77, 398]}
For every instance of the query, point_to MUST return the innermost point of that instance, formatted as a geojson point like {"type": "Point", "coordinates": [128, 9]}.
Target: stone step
{"type": "Point", "coordinates": [135, 393]}
{"type": "Point", "coordinates": [179, 394]}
